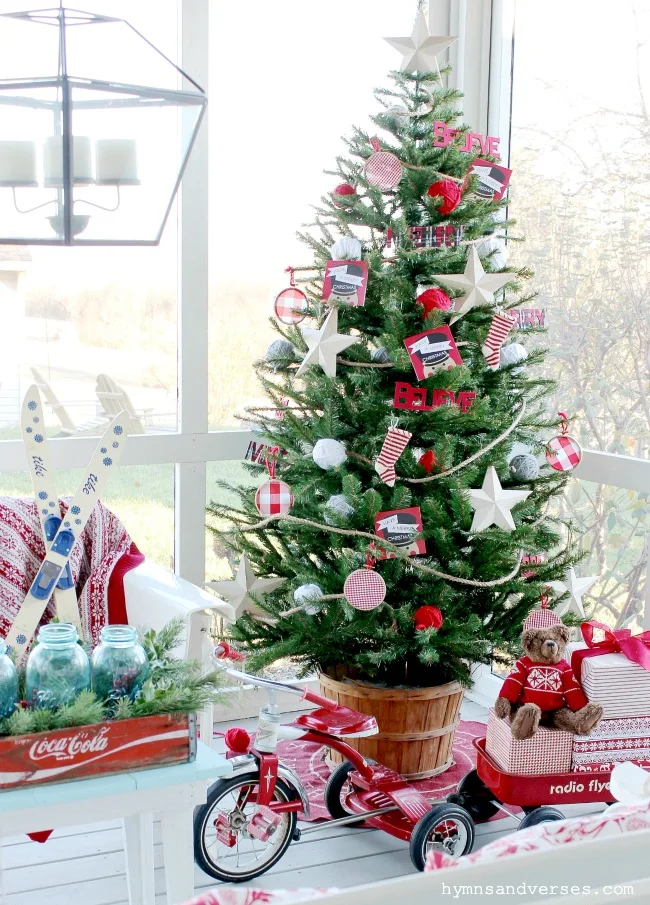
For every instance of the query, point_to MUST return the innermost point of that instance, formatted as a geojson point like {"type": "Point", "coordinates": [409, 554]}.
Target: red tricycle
{"type": "Point", "coordinates": [250, 818]}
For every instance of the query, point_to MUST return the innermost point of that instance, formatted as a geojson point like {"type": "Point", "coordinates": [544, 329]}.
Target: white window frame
{"type": "Point", "coordinates": [483, 60]}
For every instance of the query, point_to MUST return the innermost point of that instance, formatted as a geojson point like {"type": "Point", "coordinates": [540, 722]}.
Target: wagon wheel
{"type": "Point", "coordinates": [536, 816]}
{"type": "Point", "coordinates": [473, 795]}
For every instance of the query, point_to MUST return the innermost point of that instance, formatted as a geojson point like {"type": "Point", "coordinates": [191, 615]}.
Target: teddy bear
{"type": "Point", "coordinates": [542, 688]}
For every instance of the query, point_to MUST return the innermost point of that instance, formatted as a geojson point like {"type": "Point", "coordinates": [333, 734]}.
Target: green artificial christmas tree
{"type": "Point", "coordinates": [404, 400]}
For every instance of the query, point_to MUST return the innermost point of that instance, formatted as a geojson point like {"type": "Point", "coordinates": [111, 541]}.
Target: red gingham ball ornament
{"type": "Point", "coordinates": [274, 498]}
{"type": "Point", "coordinates": [364, 589]}
{"type": "Point", "coordinates": [427, 617]}
{"type": "Point", "coordinates": [382, 168]}
{"type": "Point", "coordinates": [450, 193]}
{"type": "Point", "coordinates": [563, 453]}
{"type": "Point", "coordinates": [291, 304]}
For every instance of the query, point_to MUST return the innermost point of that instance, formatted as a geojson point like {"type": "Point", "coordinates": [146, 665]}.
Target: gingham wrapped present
{"type": "Point", "coordinates": [613, 741]}
{"type": "Point", "coordinates": [619, 684]}
{"type": "Point", "coordinates": [548, 751]}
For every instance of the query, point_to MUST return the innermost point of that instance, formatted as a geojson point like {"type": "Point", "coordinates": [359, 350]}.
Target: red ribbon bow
{"type": "Point", "coordinates": [620, 641]}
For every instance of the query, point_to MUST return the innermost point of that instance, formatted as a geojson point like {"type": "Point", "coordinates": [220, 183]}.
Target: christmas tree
{"type": "Point", "coordinates": [394, 417]}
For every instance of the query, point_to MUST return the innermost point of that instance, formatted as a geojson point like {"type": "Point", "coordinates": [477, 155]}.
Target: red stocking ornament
{"type": "Point", "coordinates": [502, 323]}
{"type": "Point", "coordinates": [394, 445]}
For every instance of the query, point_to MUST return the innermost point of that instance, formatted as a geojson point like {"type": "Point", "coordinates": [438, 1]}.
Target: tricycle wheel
{"type": "Point", "coordinates": [337, 782]}
{"type": "Point", "coordinates": [473, 795]}
{"type": "Point", "coordinates": [445, 828]}
{"type": "Point", "coordinates": [536, 816]}
{"type": "Point", "coordinates": [223, 847]}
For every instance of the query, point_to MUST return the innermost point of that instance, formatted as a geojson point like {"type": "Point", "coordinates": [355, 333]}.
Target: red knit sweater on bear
{"type": "Point", "coordinates": [549, 685]}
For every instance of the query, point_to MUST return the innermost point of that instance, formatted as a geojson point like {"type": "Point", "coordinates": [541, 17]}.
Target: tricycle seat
{"type": "Point", "coordinates": [340, 722]}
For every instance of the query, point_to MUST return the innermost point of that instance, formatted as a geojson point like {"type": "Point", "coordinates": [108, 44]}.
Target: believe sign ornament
{"type": "Point", "coordinates": [443, 137]}
{"type": "Point", "coordinates": [415, 398]}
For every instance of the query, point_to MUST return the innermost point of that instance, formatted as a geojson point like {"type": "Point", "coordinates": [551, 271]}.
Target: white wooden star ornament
{"type": "Point", "coordinates": [324, 345]}
{"type": "Point", "coordinates": [479, 286]}
{"type": "Point", "coordinates": [492, 504]}
{"type": "Point", "coordinates": [577, 587]}
{"type": "Point", "coordinates": [420, 49]}
{"type": "Point", "coordinates": [245, 582]}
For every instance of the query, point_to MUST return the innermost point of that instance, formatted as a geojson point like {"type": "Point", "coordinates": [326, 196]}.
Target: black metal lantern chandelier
{"type": "Point", "coordinates": [88, 155]}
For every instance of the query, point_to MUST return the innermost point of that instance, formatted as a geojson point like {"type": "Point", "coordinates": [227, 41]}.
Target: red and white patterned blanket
{"type": "Point", "coordinates": [99, 562]}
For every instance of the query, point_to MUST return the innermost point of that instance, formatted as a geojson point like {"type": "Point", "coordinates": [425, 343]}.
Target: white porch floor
{"type": "Point", "coordinates": [85, 864]}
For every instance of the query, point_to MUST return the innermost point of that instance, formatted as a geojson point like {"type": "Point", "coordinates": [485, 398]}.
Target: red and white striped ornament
{"type": "Point", "coordinates": [291, 304]}
{"type": "Point", "coordinates": [365, 589]}
{"type": "Point", "coordinates": [563, 453]}
{"type": "Point", "coordinates": [383, 168]}
{"type": "Point", "coordinates": [274, 497]}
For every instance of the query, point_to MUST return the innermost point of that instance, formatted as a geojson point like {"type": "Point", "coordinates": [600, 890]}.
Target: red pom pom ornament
{"type": "Point", "coordinates": [427, 617]}
{"type": "Point", "coordinates": [343, 189]}
{"type": "Point", "coordinates": [428, 461]}
{"type": "Point", "coordinates": [434, 299]}
{"type": "Point", "coordinates": [450, 193]}
{"type": "Point", "coordinates": [238, 740]}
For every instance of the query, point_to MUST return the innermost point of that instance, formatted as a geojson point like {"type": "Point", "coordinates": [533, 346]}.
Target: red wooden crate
{"type": "Point", "coordinates": [110, 747]}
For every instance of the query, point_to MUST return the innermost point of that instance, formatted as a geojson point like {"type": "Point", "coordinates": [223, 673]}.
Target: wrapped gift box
{"type": "Point", "coordinates": [621, 686]}
{"type": "Point", "coordinates": [606, 766]}
{"type": "Point", "coordinates": [548, 751]}
{"type": "Point", "coordinates": [613, 741]}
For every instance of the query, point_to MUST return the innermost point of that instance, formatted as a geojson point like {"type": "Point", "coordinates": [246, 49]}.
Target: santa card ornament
{"type": "Point", "coordinates": [493, 180]}
{"type": "Point", "coordinates": [563, 453]}
{"type": "Point", "coordinates": [291, 304]}
{"type": "Point", "coordinates": [274, 497]}
{"type": "Point", "coordinates": [431, 351]}
{"type": "Point", "coordinates": [365, 589]}
{"type": "Point", "coordinates": [401, 527]}
{"type": "Point", "coordinates": [345, 283]}
{"type": "Point", "coordinates": [383, 168]}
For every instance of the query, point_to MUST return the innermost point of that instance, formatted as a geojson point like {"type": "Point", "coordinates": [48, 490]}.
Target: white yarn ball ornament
{"type": "Point", "coordinates": [277, 352]}
{"type": "Point", "coordinates": [337, 505]}
{"type": "Point", "coordinates": [346, 248]}
{"type": "Point", "coordinates": [512, 354]}
{"type": "Point", "coordinates": [329, 454]}
{"type": "Point", "coordinates": [307, 596]}
{"type": "Point", "coordinates": [524, 467]}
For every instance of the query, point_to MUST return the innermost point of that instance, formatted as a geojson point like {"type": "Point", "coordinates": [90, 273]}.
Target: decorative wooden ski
{"type": "Point", "coordinates": [47, 499]}
{"type": "Point", "coordinates": [103, 462]}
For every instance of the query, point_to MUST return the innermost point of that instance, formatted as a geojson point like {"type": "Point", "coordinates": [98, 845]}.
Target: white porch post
{"type": "Point", "coordinates": [189, 497]}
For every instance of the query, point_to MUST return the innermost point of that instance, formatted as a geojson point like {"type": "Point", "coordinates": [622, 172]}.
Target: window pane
{"type": "Point", "coordinates": [581, 158]}
{"type": "Point", "coordinates": [219, 560]}
{"type": "Point", "coordinates": [142, 497]}
{"type": "Point", "coordinates": [318, 74]}
{"type": "Point", "coordinates": [94, 327]}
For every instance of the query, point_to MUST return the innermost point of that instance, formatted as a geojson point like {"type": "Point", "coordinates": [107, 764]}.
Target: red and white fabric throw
{"type": "Point", "coordinates": [563, 453]}
{"type": "Point", "coordinates": [611, 822]}
{"type": "Point", "coordinates": [274, 498]}
{"type": "Point", "coordinates": [364, 589]}
{"type": "Point", "coordinates": [290, 306]}
{"type": "Point", "coordinates": [502, 323]}
{"type": "Point", "coordinates": [548, 751]}
{"type": "Point", "coordinates": [99, 561]}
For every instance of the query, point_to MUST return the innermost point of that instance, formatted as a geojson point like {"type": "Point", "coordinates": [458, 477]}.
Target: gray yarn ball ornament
{"type": "Point", "coordinates": [400, 113]}
{"type": "Point", "coordinates": [277, 352]}
{"type": "Point", "coordinates": [337, 505]}
{"type": "Point", "coordinates": [512, 354]}
{"type": "Point", "coordinates": [307, 596]}
{"type": "Point", "coordinates": [381, 356]}
{"type": "Point", "coordinates": [524, 467]}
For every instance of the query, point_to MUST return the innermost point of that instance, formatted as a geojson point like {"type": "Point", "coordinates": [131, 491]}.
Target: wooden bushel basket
{"type": "Point", "coordinates": [416, 725]}
{"type": "Point", "coordinates": [110, 747]}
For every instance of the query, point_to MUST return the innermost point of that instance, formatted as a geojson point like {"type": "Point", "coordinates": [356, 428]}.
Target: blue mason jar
{"type": "Point", "coordinates": [120, 665]}
{"type": "Point", "coordinates": [58, 669]}
{"type": "Point", "coordinates": [8, 683]}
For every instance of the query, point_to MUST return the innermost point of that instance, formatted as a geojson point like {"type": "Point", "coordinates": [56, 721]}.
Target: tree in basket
{"type": "Point", "coordinates": [387, 541]}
